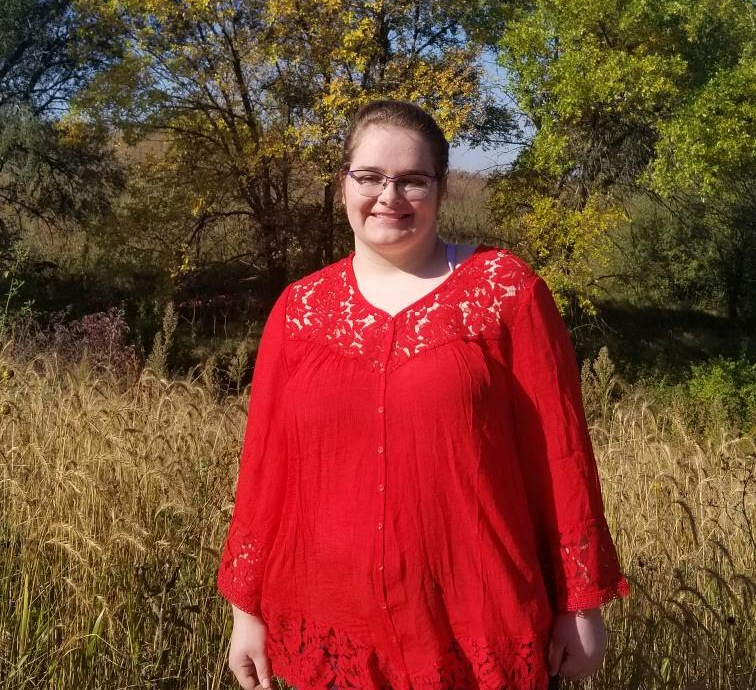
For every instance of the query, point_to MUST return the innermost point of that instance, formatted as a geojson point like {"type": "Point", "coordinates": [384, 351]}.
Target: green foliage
{"type": "Point", "coordinates": [664, 259]}
{"type": "Point", "coordinates": [713, 396]}
{"type": "Point", "coordinates": [54, 178]}
{"type": "Point", "coordinates": [690, 254]}
{"type": "Point", "coordinates": [716, 394]}
{"type": "Point", "coordinates": [608, 77]}
{"type": "Point", "coordinates": [598, 125]}
{"type": "Point", "coordinates": [725, 389]}
{"type": "Point", "coordinates": [629, 95]}
{"type": "Point", "coordinates": [711, 139]}
{"type": "Point", "coordinates": [564, 244]}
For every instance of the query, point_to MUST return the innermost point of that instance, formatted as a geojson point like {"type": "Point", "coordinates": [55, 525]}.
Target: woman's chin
{"type": "Point", "coordinates": [391, 232]}
{"type": "Point", "coordinates": [389, 236]}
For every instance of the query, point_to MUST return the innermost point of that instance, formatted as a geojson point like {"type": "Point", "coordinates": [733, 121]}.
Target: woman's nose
{"type": "Point", "coordinates": [390, 192]}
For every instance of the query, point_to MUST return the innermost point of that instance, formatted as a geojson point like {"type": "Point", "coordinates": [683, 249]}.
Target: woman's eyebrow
{"type": "Point", "coordinates": [373, 168]}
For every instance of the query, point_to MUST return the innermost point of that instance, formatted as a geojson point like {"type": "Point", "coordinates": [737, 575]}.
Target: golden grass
{"type": "Point", "coordinates": [114, 501]}
{"type": "Point", "coordinates": [683, 515]}
{"type": "Point", "coordinates": [113, 506]}
{"type": "Point", "coordinates": [464, 216]}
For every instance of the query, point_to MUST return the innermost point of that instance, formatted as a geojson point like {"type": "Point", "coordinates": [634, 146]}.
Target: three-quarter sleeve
{"type": "Point", "coordinates": [262, 473]}
{"type": "Point", "coordinates": [577, 553]}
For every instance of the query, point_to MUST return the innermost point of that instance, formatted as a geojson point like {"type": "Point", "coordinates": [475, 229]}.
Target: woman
{"type": "Point", "coordinates": [418, 504]}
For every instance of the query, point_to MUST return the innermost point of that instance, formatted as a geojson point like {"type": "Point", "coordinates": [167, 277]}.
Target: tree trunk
{"type": "Point", "coordinates": [272, 229]}
{"type": "Point", "coordinates": [326, 226]}
{"type": "Point", "coordinates": [733, 291]}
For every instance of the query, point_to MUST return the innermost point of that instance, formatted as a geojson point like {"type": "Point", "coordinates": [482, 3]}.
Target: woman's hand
{"type": "Point", "coordinates": [247, 657]}
{"type": "Point", "coordinates": [578, 644]}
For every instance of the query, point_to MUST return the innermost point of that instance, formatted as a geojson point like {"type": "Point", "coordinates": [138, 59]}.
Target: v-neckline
{"type": "Point", "coordinates": [352, 279]}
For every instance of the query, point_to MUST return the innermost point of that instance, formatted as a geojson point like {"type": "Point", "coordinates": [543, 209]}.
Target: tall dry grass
{"type": "Point", "coordinates": [683, 513]}
{"type": "Point", "coordinates": [464, 216]}
{"type": "Point", "coordinates": [113, 504]}
{"type": "Point", "coordinates": [114, 501]}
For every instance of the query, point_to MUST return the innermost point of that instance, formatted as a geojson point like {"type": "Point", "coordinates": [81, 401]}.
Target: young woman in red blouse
{"type": "Point", "coordinates": [418, 506]}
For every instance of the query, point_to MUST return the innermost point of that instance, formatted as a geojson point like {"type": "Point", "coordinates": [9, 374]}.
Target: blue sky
{"type": "Point", "coordinates": [477, 160]}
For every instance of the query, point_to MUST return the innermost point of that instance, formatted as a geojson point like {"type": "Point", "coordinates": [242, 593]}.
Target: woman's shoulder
{"type": "Point", "coordinates": [334, 272]}
{"type": "Point", "coordinates": [319, 287]}
{"type": "Point", "coordinates": [497, 267]}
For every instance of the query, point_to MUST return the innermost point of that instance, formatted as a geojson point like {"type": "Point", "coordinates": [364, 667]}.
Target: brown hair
{"type": "Point", "coordinates": [398, 114]}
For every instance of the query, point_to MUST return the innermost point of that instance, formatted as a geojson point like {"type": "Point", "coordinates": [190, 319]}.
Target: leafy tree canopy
{"type": "Point", "coordinates": [622, 95]}
{"type": "Point", "coordinates": [253, 97]}
{"type": "Point", "coordinates": [48, 171]}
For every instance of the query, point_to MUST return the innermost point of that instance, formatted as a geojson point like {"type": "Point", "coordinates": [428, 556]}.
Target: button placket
{"type": "Point", "coordinates": [381, 541]}
{"type": "Point", "coordinates": [381, 452]}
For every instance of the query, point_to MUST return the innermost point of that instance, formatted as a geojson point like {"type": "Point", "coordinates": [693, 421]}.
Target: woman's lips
{"type": "Point", "coordinates": [390, 216]}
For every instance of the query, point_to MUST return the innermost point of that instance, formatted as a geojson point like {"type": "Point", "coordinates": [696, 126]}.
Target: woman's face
{"type": "Point", "coordinates": [390, 222]}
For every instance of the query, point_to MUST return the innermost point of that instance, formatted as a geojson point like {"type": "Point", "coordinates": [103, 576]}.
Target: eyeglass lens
{"type": "Point", "coordinates": [409, 186]}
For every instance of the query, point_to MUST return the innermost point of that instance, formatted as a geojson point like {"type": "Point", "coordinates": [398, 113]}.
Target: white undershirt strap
{"type": "Point", "coordinates": [451, 256]}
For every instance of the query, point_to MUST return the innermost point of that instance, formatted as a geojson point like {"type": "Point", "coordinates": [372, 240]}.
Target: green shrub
{"type": "Point", "coordinates": [727, 389]}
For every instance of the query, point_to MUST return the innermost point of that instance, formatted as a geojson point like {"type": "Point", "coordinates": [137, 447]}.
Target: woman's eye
{"type": "Point", "coordinates": [370, 179]}
{"type": "Point", "coordinates": [415, 181]}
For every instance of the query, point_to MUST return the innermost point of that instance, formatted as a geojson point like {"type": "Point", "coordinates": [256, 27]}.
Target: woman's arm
{"type": "Point", "coordinates": [558, 465]}
{"type": "Point", "coordinates": [262, 473]}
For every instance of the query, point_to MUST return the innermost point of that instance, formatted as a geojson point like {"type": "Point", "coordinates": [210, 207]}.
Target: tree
{"type": "Point", "coordinates": [616, 94]}
{"type": "Point", "coordinates": [254, 96]}
{"type": "Point", "coordinates": [49, 171]}
{"type": "Point", "coordinates": [705, 169]}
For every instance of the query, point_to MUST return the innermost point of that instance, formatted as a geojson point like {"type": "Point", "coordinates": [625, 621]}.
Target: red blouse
{"type": "Point", "coordinates": [417, 494]}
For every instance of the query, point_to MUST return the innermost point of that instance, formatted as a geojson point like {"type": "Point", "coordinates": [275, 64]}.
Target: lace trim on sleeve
{"type": "Point", "coordinates": [591, 574]}
{"type": "Point", "coordinates": [240, 573]}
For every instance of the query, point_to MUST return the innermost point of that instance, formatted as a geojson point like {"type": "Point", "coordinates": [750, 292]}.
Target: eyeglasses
{"type": "Point", "coordinates": [412, 187]}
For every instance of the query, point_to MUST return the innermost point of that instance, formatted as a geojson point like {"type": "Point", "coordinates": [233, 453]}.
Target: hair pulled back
{"type": "Point", "coordinates": [404, 115]}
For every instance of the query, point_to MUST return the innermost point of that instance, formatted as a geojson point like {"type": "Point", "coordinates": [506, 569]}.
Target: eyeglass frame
{"type": "Point", "coordinates": [386, 180]}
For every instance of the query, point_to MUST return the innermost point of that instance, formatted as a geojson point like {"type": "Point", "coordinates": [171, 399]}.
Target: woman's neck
{"type": "Point", "coordinates": [424, 261]}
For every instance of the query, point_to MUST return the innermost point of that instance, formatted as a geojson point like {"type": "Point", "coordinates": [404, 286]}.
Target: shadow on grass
{"type": "Point", "coordinates": [656, 343]}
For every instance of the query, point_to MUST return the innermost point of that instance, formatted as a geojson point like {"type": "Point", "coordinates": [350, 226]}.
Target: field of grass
{"type": "Point", "coordinates": [115, 498]}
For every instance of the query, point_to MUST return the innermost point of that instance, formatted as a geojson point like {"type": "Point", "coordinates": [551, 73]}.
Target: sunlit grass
{"type": "Point", "coordinates": [115, 498]}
